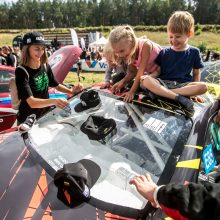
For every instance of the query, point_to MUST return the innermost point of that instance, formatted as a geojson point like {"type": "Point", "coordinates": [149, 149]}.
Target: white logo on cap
{"type": "Point", "coordinates": [28, 40]}
{"type": "Point", "coordinates": [40, 38]}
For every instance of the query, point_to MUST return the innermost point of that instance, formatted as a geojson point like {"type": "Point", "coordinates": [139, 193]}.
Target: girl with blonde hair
{"type": "Point", "coordinates": [139, 54]}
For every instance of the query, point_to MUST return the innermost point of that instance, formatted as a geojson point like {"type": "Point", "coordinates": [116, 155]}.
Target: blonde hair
{"type": "Point", "coordinates": [124, 32]}
{"type": "Point", "coordinates": [181, 22]}
{"type": "Point", "coordinates": [108, 51]}
{"type": "Point", "coordinates": [25, 56]}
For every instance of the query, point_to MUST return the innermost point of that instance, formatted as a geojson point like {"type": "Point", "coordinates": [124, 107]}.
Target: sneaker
{"type": "Point", "coordinates": [27, 125]}
{"type": "Point", "coordinates": [186, 102]}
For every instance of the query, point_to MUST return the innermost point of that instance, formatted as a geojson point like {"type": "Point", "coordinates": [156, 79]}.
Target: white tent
{"type": "Point", "coordinates": [99, 43]}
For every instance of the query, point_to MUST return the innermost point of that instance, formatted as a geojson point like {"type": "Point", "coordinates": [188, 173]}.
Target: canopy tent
{"type": "Point", "coordinates": [99, 43]}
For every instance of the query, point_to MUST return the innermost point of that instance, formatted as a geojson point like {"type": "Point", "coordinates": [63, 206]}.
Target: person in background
{"type": "Point", "coordinates": [139, 54]}
{"type": "Point", "coordinates": [33, 87]}
{"type": "Point", "coordinates": [2, 58]}
{"type": "Point", "coordinates": [79, 69]}
{"type": "Point", "coordinates": [17, 53]}
{"type": "Point", "coordinates": [10, 58]}
{"type": "Point", "coordinates": [93, 54]}
{"type": "Point", "coordinates": [83, 54]}
{"type": "Point", "coordinates": [12, 53]}
{"type": "Point", "coordinates": [114, 72]}
{"type": "Point", "coordinates": [98, 56]}
{"type": "Point", "coordinates": [178, 74]}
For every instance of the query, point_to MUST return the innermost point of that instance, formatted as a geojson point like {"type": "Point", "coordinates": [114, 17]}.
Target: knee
{"type": "Point", "coordinates": [146, 81]}
{"type": "Point", "coordinates": [203, 87]}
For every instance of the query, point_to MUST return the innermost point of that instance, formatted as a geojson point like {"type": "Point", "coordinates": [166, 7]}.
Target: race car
{"type": "Point", "coordinates": [156, 138]}
{"type": "Point", "coordinates": [117, 141]}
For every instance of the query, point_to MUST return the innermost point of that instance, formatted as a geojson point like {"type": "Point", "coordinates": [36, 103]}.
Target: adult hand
{"type": "Point", "coordinates": [218, 117]}
{"type": "Point", "coordinates": [128, 96]}
{"type": "Point", "coordinates": [118, 86]}
{"type": "Point", "coordinates": [77, 88]}
{"type": "Point", "coordinates": [145, 186]}
{"type": "Point", "coordinates": [106, 85]}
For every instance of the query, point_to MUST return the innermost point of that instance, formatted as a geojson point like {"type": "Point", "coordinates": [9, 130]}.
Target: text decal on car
{"type": "Point", "coordinates": [155, 125]}
{"type": "Point", "coordinates": [208, 159]}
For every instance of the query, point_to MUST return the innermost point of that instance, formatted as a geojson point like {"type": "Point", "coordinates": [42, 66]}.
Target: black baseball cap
{"type": "Point", "coordinates": [89, 100]}
{"type": "Point", "coordinates": [97, 127]}
{"type": "Point", "coordinates": [75, 180]}
{"type": "Point", "coordinates": [33, 38]}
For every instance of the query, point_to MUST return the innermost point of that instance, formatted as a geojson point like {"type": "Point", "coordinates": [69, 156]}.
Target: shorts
{"type": "Point", "coordinates": [172, 84]}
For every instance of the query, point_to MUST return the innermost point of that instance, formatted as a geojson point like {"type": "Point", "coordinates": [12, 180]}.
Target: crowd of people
{"type": "Point", "coordinates": [9, 56]}
{"type": "Point", "coordinates": [172, 72]}
{"type": "Point", "coordinates": [91, 55]}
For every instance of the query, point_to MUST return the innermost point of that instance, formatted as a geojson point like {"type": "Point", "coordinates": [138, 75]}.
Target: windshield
{"type": "Point", "coordinates": [142, 142]}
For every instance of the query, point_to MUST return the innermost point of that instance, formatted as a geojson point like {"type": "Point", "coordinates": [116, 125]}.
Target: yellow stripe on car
{"type": "Point", "coordinates": [193, 146]}
{"type": "Point", "coordinates": [192, 164]}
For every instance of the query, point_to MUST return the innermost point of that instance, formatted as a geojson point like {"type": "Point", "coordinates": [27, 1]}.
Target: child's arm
{"type": "Point", "coordinates": [196, 78]}
{"type": "Point", "coordinates": [108, 76]}
{"type": "Point", "coordinates": [145, 55]}
{"type": "Point", "coordinates": [131, 73]}
{"type": "Point", "coordinates": [73, 90]}
{"type": "Point", "coordinates": [196, 75]}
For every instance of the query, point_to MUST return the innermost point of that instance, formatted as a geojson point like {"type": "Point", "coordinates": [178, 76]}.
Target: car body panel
{"type": "Point", "coordinates": [28, 192]}
{"type": "Point", "coordinates": [182, 166]}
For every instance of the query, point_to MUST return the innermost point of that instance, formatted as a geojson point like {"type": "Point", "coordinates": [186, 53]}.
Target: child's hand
{"type": "Point", "coordinates": [199, 99]}
{"type": "Point", "coordinates": [106, 85]}
{"type": "Point", "coordinates": [61, 103]}
{"type": "Point", "coordinates": [145, 186]}
{"type": "Point", "coordinates": [128, 96]}
{"type": "Point", "coordinates": [77, 88]}
{"type": "Point", "coordinates": [117, 86]}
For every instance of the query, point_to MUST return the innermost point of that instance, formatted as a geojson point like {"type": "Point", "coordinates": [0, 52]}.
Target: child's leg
{"type": "Point", "coordinates": [78, 74]}
{"type": "Point", "coordinates": [154, 86]}
{"type": "Point", "coordinates": [192, 89]}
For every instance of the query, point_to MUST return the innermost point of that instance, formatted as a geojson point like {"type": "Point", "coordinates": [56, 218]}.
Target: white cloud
{"type": "Point", "coordinates": [7, 1]}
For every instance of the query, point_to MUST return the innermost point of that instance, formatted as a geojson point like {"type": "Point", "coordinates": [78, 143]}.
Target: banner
{"type": "Point", "coordinates": [82, 42]}
{"type": "Point", "coordinates": [97, 35]}
{"type": "Point", "coordinates": [74, 37]}
{"type": "Point", "coordinates": [91, 37]}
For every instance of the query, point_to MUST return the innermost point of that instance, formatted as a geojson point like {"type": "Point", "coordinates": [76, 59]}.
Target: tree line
{"type": "Point", "coordinates": [31, 14]}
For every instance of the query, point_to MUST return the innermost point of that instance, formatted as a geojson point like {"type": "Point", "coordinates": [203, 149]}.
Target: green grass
{"type": "Point", "coordinates": [6, 39]}
{"type": "Point", "coordinates": [210, 39]}
{"type": "Point", "coordinates": [90, 78]}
